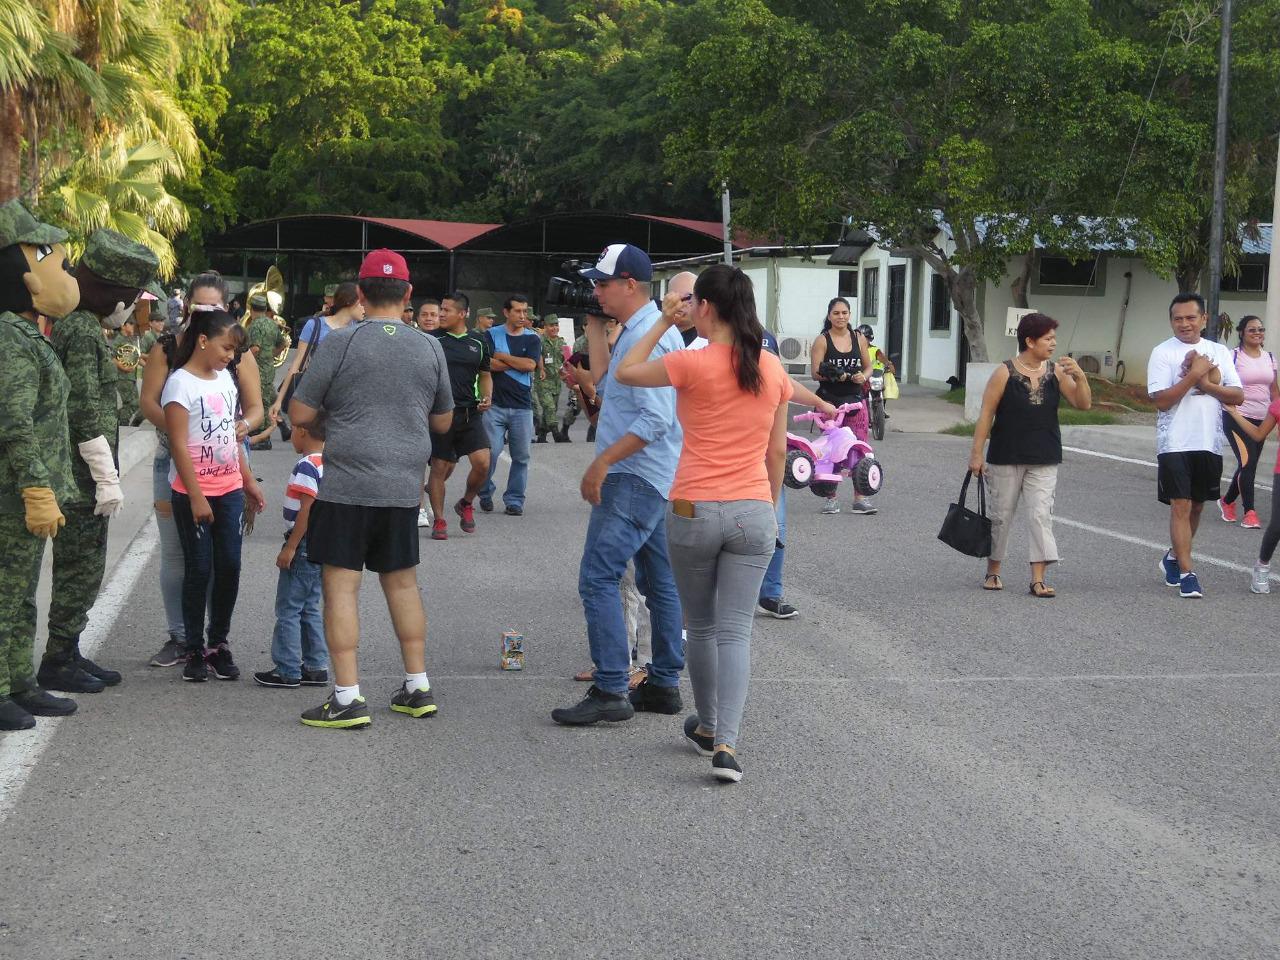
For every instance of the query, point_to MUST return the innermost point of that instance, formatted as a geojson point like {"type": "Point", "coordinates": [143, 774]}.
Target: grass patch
{"type": "Point", "coordinates": [955, 396]}
{"type": "Point", "coordinates": [1067, 417]}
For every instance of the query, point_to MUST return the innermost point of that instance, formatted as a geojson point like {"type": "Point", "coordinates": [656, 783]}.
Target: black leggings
{"type": "Point", "coordinates": [1247, 451]}
{"type": "Point", "coordinates": [1271, 536]}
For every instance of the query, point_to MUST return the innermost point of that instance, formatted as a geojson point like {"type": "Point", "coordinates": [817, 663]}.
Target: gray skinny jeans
{"type": "Point", "coordinates": [719, 557]}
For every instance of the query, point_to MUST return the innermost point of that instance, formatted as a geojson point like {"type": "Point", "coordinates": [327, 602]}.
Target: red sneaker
{"type": "Point", "coordinates": [439, 530]}
{"type": "Point", "coordinates": [467, 514]}
{"type": "Point", "coordinates": [1250, 521]}
{"type": "Point", "coordinates": [1228, 511]}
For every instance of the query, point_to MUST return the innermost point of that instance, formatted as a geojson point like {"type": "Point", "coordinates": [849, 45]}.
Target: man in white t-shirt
{"type": "Point", "coordinates": [1190, 380]}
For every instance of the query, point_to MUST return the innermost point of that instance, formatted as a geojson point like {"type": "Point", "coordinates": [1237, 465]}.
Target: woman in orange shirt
{"type": "Point", "coordinates": [721, 526]}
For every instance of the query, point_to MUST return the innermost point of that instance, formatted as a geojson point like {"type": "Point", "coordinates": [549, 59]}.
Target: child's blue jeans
{"type": "Point", "coordinates": [297, 643]}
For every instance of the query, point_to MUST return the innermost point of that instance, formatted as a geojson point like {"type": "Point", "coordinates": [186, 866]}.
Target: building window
{"type": "Point", "coordinates": [849, 284]}
{"type": "Point", "coordinates": [1252, 278]}
{"type": "Point", "coordinates": [871, 292]}
{"type": "Point", "coordinates": [1062, 272]}
{"type": "Point", "coordinates": [939, 305]}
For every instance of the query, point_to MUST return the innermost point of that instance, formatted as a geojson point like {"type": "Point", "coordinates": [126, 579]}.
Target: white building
{"type": "Point", "coordinates": [907, 306]}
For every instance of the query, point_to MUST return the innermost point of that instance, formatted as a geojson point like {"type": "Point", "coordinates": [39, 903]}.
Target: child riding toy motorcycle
{"type": "Point", "coordinates": [822, 463]}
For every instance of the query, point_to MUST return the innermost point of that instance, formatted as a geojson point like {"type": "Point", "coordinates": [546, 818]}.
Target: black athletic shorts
{"type": "Point", "coordinates": [466, 436]}
{"type": "Point", "coordinates": [1189, 475]}
{"type": "Point", "coordinates": [384, 539]}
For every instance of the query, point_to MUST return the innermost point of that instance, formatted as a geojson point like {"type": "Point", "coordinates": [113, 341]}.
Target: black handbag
{"type": "Point", "coordinates": [306, 360]}
{"type": "Point", "coordinates": [964, 530]}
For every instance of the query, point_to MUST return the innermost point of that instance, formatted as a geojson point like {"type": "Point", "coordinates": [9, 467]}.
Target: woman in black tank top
{"type": "Point", "coordinates": [840, 361]}
{"type": "Point", "coordinates": [1020, 415]}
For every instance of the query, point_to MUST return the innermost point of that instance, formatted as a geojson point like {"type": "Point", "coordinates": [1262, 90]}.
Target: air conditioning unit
{"type": "Point", "coordinates": [794, 353]}
{"type": "Point", "coordinates": [1096, 363]}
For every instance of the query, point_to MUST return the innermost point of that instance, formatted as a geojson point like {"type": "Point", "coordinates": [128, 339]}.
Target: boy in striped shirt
{"type": "Point", "coordinates": [297, 644]}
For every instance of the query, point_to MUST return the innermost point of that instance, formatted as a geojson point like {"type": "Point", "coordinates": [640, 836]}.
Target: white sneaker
{"type": "Point", "coordinates": [831, 506]}
{"type": "Point", "coordinates": [425, 519]}
{"type": "Point", "coordinates": [1261, 578]}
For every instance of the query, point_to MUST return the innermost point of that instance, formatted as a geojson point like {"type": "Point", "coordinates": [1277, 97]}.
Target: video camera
{"type": "Point", "coordinates": [572, 291]}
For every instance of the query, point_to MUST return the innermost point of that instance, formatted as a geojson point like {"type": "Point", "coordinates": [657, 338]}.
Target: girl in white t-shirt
{"type": "Point", "coordinates": [209, 478]}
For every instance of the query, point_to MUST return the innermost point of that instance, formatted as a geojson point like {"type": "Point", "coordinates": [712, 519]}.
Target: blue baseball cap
{"type": "Point", "coordinates": [621, 261]}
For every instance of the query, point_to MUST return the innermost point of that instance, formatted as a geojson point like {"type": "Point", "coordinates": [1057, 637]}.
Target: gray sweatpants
{"type": "Point", "coordinates": [719, 557]}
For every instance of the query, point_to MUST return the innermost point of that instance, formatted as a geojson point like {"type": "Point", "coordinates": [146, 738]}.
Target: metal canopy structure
{"type": "Point", "coordinates": [487, 260]}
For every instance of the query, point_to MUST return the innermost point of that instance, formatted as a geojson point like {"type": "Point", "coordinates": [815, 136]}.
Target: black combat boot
{"type": "Point", "coordinates": [41, 703]}
{"type": "Point", "coordinates": [63, 672]}
{"type": "Point", "coordinates": [13, 717]}
{"type": "Point", "coordinates": [541, 437]}
{"type": "Point", "coordinates": [561, 435]}
{"type": "Point", "coordinates": [108, 677]}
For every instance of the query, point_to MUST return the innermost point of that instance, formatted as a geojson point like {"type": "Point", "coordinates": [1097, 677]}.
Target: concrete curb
{"type": "Point", "coordinates": [136, 444]}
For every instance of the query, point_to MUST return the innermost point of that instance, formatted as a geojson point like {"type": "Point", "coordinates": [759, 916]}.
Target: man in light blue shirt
{"type": "Point", "coordinates": [638, 441]}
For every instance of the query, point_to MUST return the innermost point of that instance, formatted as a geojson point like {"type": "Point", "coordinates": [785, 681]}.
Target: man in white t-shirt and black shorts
{"type": "Point", "coordinates": [1190, 380]}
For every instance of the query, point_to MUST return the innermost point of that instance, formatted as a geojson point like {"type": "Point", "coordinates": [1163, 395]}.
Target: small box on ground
{"type": "Point", "coordinates": [512, 650]}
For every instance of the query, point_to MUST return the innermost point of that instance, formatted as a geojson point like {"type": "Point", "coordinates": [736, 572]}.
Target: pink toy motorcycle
{"type": "Point", "coordinates": [821, 464]}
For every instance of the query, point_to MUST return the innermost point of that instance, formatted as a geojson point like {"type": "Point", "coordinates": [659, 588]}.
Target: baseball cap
{"type": "Point", "coordinates": [259, 301]}
{"type": "Point", "coordinates": [384, 263]}
{"type": "Point", "coordinates": [621, 261]}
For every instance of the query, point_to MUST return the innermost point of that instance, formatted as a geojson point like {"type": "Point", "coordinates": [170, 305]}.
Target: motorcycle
{"type": "Point", "coordinates": [821, 464]}
{"type": "Point", "coordinates": [875, 387]}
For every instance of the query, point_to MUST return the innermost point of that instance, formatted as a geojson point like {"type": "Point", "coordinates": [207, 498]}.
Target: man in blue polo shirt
{"type": "Point", "coordinates": [638, 441]}
{"type": "Point", "coordinates": [516, 351]}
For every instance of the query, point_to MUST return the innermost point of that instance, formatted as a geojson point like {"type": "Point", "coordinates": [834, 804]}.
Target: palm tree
{"type": "Point", "coordinates": [121, 187]}
{"type": "Point", "coordinates": [88, 71]}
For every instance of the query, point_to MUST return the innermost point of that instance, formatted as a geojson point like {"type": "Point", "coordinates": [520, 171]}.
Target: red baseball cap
{"type": "Point", "coordinates": [384, 263]}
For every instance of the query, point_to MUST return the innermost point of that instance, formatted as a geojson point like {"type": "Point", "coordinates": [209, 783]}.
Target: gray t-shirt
{"type": "Point", "coordinates": [377, 381]}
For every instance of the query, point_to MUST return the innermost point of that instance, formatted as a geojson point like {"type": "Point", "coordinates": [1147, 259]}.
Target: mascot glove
{"type": "Point", "coordinates": [43, 516]}
{"type": "Point", "coordinates": [96, 453]}
{"type": "Point", "coordinates": [117, 317]}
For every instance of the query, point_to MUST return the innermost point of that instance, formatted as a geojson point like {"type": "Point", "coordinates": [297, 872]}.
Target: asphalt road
{"type": "Point", "coordinates": [931, 770]}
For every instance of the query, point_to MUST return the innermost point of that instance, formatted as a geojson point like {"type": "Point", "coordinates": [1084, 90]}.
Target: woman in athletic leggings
{"type": "Point", "coordinates": [1262, 569]}
{"type": "Point", "coordinates": [1257, 369]}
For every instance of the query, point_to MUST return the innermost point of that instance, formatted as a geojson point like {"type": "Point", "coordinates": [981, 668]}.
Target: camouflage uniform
{"type": "Point", "coordinates": [264, 333]}
{"type": "Point", "coordinates": [546, 393]}
{"type": "Point", "coordinates": [80, 550]}
{"type": "Point", "coordinates": [34, 452]}
{"type": "Point", "coordinates": [127, 380]}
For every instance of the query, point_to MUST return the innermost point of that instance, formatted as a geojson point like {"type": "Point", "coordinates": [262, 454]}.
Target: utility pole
{"type": "Point", "coordinates": [1273, 274]}
{"type": "Point", "coordinates": [724, 220]}
{"type": "Point", "coordinates": [1219, 174]}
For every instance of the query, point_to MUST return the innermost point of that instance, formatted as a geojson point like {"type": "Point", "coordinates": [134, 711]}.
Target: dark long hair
{"type": "Point", "coordinates": [826, 317]}
{"type": "Point", "coordinates": [347, 295]}
{"type": "Point", "coordinates": [1244, 322]}
{"type": "Point", "coordinates": [209, 323]}
{"type": "Point", "coordinates": [730, 291]}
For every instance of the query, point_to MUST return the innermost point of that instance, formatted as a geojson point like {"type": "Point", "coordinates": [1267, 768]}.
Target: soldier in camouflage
{"type": "Point", "coordinates": [127, 370]}
{"type": "Point", "coordinates": [112, 274]}
{"type": "Point", "coordinates": [35, 457]}
{"type": "Point", "coordinates": [546, 392]}
{"type": "Point", "coordinates": [265, 338]}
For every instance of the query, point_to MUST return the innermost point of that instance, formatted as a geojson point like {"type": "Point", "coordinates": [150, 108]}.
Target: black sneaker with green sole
{"type": "Point", "coordinates": [418, 703]}
{"type": "Point", "coordinates": [353, 716]}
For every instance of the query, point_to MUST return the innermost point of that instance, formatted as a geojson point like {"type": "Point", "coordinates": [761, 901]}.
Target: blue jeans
{"type": "Point", "coordinates": [211, 556]}
{"type": "Point", "coordinates": [629, 523]}
{"type": "Point", "coordinates": [771, 589]}
{"type": "Point", "coordinates": [506, 425]}
{"type": "Point", "coordinates": [298, 640]}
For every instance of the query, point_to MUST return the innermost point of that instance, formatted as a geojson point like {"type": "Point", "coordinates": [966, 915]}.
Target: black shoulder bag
{"type": "Point", "coordinates": [306, 360]}
{"type": "Point", "coordinates": [964, 530]}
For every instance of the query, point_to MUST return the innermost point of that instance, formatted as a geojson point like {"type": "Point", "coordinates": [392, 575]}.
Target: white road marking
{"type": "Point", "coordinates": [21, 750]}
{"type": "Point", "coordinates": [1151, 544]}
{"type": "Point", "coordinates": [1141, 463]}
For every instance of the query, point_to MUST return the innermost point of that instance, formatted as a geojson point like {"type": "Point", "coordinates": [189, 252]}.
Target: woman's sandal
{"type": "Point", "coordinates": [992, 581]}
{"type": "Point", "coordinates": [1045, 592]}
{"type": "Point", "coordinates": [584, 676]}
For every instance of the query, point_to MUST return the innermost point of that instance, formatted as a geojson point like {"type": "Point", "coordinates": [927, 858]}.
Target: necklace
{"type": "Point", "coordinates": [1029, 371]}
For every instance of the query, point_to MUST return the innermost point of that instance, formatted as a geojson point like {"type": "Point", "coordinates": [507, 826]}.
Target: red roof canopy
{"type": "Point", "coordinates": [443, 232]}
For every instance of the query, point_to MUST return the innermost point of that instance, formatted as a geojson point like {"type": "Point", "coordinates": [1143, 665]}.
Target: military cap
{"type": "Point", "coordinates": [17, 225]}
{"type": "Point", "coordinates": [548, 318]}
{"type": "Point", "coordinates": [117, 259]}
{"type": "Point", "coordinates": [259, 301]}
{"type": "Point", "coordinates": [330, 289]}
{"type": "Point", "coordinates": [484, 312]}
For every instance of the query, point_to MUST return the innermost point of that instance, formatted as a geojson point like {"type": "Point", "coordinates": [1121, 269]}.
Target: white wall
{"type": "Point", "coordinates": [1089, 324]}
{"type": "Point", "coordinates": [938, 348]}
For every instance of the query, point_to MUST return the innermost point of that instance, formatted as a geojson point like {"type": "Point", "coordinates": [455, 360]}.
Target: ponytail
{"type": "Point", "coordinates": [826, 319]}
{"type": "Point", "coordinates": [729, 290]}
